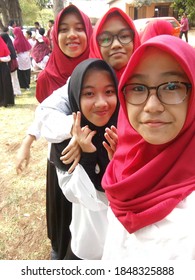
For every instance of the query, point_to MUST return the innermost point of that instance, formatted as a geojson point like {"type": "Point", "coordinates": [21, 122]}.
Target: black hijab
{"type": "Point", "coordinates": [74, 91]}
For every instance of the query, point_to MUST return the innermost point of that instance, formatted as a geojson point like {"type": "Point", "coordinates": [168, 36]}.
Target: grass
{"type": "Point", "coordinates": [23, 233]}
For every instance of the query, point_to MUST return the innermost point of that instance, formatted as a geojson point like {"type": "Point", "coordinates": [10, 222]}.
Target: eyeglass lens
{"type": "Point", "coordinates": [167, 93]}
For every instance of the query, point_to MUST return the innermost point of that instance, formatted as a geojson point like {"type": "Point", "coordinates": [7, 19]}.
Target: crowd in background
{"type": "Point", "coordinates": [28, 51]}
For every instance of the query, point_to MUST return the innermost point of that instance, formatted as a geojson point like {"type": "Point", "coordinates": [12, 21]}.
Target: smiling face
{"type": "Point", "coordinates": [156, 122]}
{"type": "Point", "coordinates": [72, 38]}
{"type": "Point", "coordinates": [98, 97]}
{"type": "Point", "coordinates": [117, 55]}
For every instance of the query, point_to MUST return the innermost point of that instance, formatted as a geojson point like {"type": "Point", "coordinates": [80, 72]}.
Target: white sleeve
{"type": "Point", "coordinates": [5, 58]}
{"type": "Point", "coordinates": [55, 116]}
{"type": "Point", "coordinates": [78, 188]}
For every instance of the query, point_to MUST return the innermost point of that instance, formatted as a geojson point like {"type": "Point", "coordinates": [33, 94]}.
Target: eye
{"type": "Point", "coordinates": [79, 28]}
{"type": "Point", "coordinates": [139, 88]}
{"type": "Point", "coordinates": [111, 92]}
{"type": "Point", "coordinates": [63, 30]}
{"type": "Point", "coordinates": [172, 86]}
{"type": "Point", "coordinates": [104, 38]}
{"type": "Point", "coordinates": [87, 94]}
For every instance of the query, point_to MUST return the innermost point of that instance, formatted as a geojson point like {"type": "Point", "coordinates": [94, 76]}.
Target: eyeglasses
{"type": "Point", "coordinates": [170, 93]}
{"type": "Point", "coordinates": [124, 37]}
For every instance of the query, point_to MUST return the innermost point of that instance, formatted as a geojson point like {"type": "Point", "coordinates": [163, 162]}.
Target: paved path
{"type": "Point", "coordinates": [191, 37]}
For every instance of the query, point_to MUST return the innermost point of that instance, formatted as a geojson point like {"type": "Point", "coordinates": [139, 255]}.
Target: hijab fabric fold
{"type": "Point", "coordinates": [59, 66]}
{"type": "Point", "coordinates": [145, 182]}
{"type": "Point", "coordinates": [156, 28]}
{"type": "Point", "coordinates": [4, 51]}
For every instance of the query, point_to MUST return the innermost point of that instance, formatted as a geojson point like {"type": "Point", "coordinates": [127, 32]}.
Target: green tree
{"type": "Point", "coordinates": [186, 6]}
{"type": "Point", "coordinates": [10, 9]}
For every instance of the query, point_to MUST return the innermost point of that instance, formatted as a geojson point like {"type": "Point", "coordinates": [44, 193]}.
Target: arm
{"type": "Point", "coordinates": [55, 115]}
{"type": "Point", "coordinates": [23, 154]}
{"type": "Point", "coordinates": [78, 188]}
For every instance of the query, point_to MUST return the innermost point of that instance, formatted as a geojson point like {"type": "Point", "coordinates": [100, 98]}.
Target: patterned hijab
{"type": "Point", "coordinates": [60, 66]}
{"type": "Point", "coordinates": [145, 182]}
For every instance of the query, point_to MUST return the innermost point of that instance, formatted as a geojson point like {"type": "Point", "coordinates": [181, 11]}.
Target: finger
{"type": "Point", "coordinates": [108, 149]}
{"type": "Point", "coordinates": [71, 169]}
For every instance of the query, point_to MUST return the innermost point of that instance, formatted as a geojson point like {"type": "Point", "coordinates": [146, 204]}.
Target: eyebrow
{"type": "Point", "coordinates": [165, 74]}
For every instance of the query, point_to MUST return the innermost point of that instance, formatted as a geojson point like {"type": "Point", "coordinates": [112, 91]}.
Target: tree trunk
{"type": "Point", "coordinates": [58, 5]}
{"type": "Point", "coordinates": [10, 9]}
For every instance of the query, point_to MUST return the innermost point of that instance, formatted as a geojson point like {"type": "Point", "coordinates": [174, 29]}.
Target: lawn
{"type": "Point", "coordinates": [23, 233]}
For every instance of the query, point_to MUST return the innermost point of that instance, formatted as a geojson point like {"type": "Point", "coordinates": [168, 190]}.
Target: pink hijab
{"type": "Point", "coordinates": [145, 182]}
{"type": "Point", "coordinates": [21, 44]}
{"type": "Point", "coordinates": [94, 47]}
{"type": "Point", "coordinates": [156, 28]}
{"type": "Point", "coordinates": [59, 67]}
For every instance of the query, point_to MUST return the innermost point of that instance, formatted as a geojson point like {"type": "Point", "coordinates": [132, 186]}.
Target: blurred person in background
{"type": "Point", "coordinates": [49, 32]}
{"type": "Point", "coordinates": [23, 47]}
{"type": "Point", "coordinates": [40, 54]}
{"type": "Point", "coordinates": [13, 63]}
{"type": "Point", "coordinates": [6, 88]}
{"type": "Point", "coordinates": [184, 27]}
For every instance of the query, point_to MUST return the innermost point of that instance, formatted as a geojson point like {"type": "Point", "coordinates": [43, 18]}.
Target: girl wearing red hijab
{"type": "Point", "coordinates": [114, 39]}
{"type": "Point", "coordinates": [71, 35]}
{"type": "Point", "coordinates": [68, 52]}
{"type": "Point", "coordinates": [6, 89]}
{"type": "Point", "coordinates": [107, 43]}
{"type": "Point", "coordinates": [22, 47]}
{"type": "Point", "coordinates": [150, 181]}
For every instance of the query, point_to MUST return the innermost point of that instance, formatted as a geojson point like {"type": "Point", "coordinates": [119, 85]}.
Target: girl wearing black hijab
{"type": "Point", "coordinates": [13, 63]}
{"type": "Point", "coordinates": [92, 94]}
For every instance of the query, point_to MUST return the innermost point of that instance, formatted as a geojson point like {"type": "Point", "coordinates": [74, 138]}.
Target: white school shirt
{"type": "Point", "coordinates": [53, 119]}
{"type": "Point", "coordinates": [172, 238]}
{"type": "Point", "coordinates": [89, 213]}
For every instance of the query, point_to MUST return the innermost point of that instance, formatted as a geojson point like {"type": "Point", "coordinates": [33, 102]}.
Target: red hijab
{"type": "Point", "coordinates": [4, 51]}
{"type": "Point", "coordinates": [60, 66]}
{"type": "Point", "coordinates": [156, 28]}
{"type": "Point", "coordinates": [39, 51]}
{"type": "Point", "coordinates": [21, 44]}
{"type": "Point", "coordinates": [94, 47]}
{"type": "Point", "coordinates": [145, 182]}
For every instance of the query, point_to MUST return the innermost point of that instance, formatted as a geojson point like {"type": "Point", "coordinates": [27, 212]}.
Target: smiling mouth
{"type": "Point", "coordinates": [101, 113]}
{"type": "Point", "coordinates": [155, 123]}
{"type": "Point", "coordinates": [73, 44]}
{"type": "Point", "coordinates": [117, 54]}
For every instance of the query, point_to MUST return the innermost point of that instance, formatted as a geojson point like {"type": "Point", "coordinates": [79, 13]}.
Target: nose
{"type": "Point", "coordinates": [115, 42]}
{"type": "Point", "coordinates": [100, 101]}
{"type": "Point", "coordinates": [153, 104]}
{"type": "Point", "coordinates": [71, 33]}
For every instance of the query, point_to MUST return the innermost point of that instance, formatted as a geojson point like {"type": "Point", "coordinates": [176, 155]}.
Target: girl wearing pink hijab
{"type": "Point", "coordinates": [156, 28]}
{"type": "Point", "coordinates": [22, 47]}
{"type": "Point", "coordinates": [150, 181]}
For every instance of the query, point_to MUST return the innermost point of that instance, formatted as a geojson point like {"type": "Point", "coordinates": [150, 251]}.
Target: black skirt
{"type": "Point", "coordinates": [58, 214]}
{"type": "Point", "coordinates": [6, 88]}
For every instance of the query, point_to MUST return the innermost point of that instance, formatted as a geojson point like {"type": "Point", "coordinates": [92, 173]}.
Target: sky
{"type": "Point", "coordinates": [93, 8]}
